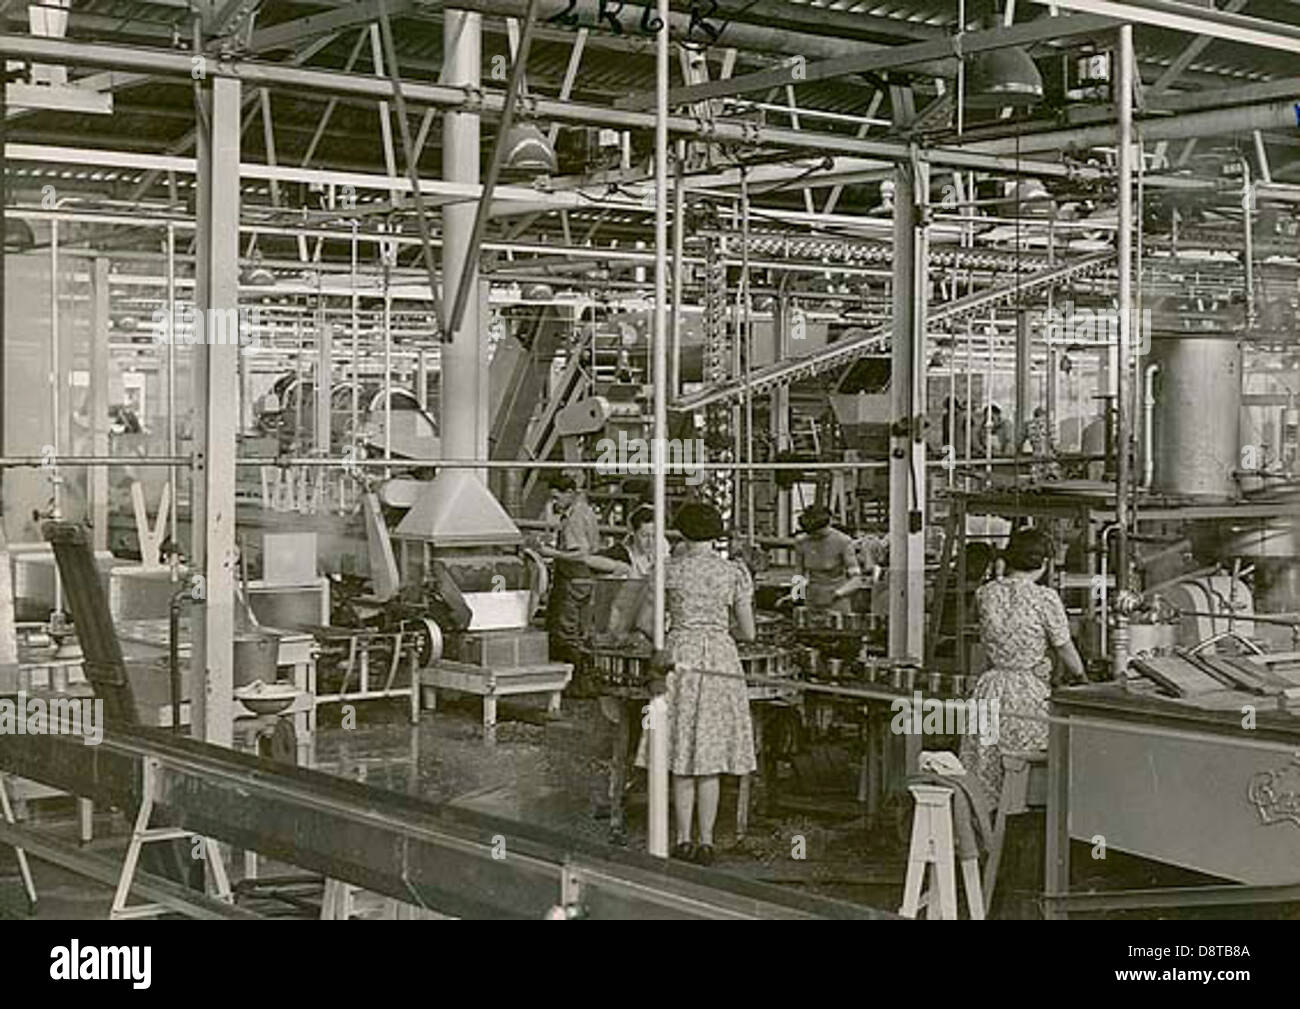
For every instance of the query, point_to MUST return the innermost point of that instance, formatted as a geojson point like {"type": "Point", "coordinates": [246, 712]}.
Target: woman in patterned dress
{"type": "Point", "coordinates": [1022, 624]}
{"type": "Point", "coordinates": [709, 727]}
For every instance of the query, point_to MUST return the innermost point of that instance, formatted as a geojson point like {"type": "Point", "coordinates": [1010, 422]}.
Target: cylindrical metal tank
{"type": "Point", "coordinates": [1196, 420]}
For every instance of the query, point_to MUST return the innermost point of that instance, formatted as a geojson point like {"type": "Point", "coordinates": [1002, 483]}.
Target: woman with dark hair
{"type": "Point", "coordinates": [827, 560]}
{"type": "Point", "coordinates": [709, 728]}
{"type": "Point", "coordinates": [1022, 625]}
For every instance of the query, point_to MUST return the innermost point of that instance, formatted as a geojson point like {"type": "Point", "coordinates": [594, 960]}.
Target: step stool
{"type": "Point", "coordinates": [1017, 766]}
{"type": "Point", "coordinates": [932, 847]}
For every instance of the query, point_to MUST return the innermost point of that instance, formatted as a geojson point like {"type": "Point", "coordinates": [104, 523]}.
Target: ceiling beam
{"type": "Point", "coordinates": [884, 58]}
{"type": "Point", "coordinates": [1184, 17]}
{"type": "Point", "coordinates": [1184, 59]}
{"type": "Point", "coordinates": [290, 33]}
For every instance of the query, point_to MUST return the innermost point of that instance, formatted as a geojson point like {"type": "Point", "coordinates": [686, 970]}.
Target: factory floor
{"type": "Point", "coordinates": [553, 773]}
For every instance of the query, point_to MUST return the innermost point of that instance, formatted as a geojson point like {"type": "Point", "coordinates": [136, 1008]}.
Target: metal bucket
{"type": "Point", "coordinates": [256, 657]}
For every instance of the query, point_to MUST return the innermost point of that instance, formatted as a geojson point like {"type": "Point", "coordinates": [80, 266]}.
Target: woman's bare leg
{"type": "Point", "coordinates": [708, 789]}
{"type": "Point", "coordinates": [684, 805]}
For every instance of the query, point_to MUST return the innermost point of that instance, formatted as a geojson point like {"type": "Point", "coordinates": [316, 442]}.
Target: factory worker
{"type": "Point", "coordinates": [828, 560]}
{"type": "Point", "coordinates": [637, 549]}
{"type": "Point", "coordinates": [575, 556]}
{"type": "Point", "coordinates": [710, 732]}
{"type": "Point", "coordinates": [1022, 626]}
{"type": "Point", "coordinates": [994, 432]}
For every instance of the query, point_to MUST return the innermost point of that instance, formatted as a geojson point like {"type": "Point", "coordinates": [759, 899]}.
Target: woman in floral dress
{"type": "Point", "coordinates": [709, 728]}
{"type": "Point", "coordinates": [1022, 624]}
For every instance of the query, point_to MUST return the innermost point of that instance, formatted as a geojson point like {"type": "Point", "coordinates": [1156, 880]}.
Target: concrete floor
{"type": "Point", "coordinates": [553, 773]}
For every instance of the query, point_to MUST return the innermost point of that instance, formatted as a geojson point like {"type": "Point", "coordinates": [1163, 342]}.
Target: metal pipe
{"type": "Point", "coordinates": [1124, 253]}
{"type": "Point", "coordinates": [514, 84]}
{"type": "Point", "coordinates": [1248, 223]}
{"type": "Point", "coordinates": [55, 414]}
{"type": "Point", "coordinates": [748, 344]}
{"type": "Point", "coordinates": [1148, 415]}
{"type": "Point", "coordinates": [178, 598]}
{"type": "Point", "coordinates": [657, 840]}
{"type": "Point", "coordinates": [679, 285]}
{"type": "Point", "coordinates": [1240, 119]}
{"type": "Point", "coordinates": [388, 369]}
{"type": "Point", "coordinates": [174, 558]}
{"type": "Point", "coordinates": [19, 461]}
{"type": "Point", "coordinates": [412, 156]}
{"type": "Point", "coordinates": [355, 308]}
{"type": "Point", "coordinates": [255, 74]}
{"type": "Point", "coordinates": [459, 361]}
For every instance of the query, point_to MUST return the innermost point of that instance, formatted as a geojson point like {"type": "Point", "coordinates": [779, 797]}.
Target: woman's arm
{"type": "Point", "coordinates": [1069, 656]}
{"type": "Point", "coordinates": [744, 612]}
{"type": "Point", "coordinates": [606, 565]}
{"type": "Point", "coordinates": [1058, 635]}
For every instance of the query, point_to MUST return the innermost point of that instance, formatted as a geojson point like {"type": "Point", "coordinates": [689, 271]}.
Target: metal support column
{"type": "Point", "coordinates": [1024, 379]}
{"type": "Point", "coordinates": [324, 383]}
{"type": "Point", "coordinates": [657, 839]}
{"type": "Point", "coordinates": [97, 478]}
{"type": "Point", "coordinates": [462, 67]}
{"type": "Point", "coordinates": [907, 454]}
{"type": "Point", "coordinates": [216, 384]}
{"type": "Point", "coordinates": [1124, 250]}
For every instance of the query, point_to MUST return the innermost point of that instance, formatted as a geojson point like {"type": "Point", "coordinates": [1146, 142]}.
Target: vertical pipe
{"type": "Point", "coordinates": [747, 330]}
{"type": "Point", "coordinates": [1124, 242]}
{"type": "Point", "coordinates": [4, 203]}
{"type": "Point", "coordinates": [657, 840]}
{"type": "Point", "coordinates": [679, 283]}
{"type": "Point", "coordinates": [388, 367]}
{"type": "Point", "coordinates": [356, 340]}
{"type": "Point", "coordinates": [462, 59]}
{"type": "Point", "coordinates": [55, 413]}
{"type": "Point", "coordinates": [1248, 222]}
{"type": "Point", "coordinates": [174, 559]}
{"type": "Point", "coordinates": [1024, 377]}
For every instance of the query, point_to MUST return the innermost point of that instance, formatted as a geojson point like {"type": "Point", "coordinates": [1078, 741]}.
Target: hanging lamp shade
{"type": "Point", "coordinates": [998, 78]}
{"type": "Point", "coordinates": [18, 235]}
{"type": "Point", "coordinates": [528, 150]}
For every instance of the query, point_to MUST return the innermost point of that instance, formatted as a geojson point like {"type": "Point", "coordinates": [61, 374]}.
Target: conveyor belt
{"type": "Point", "coordinates": [425, 854]}
{"type": "Point", "coordinates": [839, 354]}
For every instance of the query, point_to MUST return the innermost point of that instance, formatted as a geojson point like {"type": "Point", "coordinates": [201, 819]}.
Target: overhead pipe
{"type": "Point", "coordinates": [274, 75]}
{"type": "Point", "coordinates": [1214, 122]}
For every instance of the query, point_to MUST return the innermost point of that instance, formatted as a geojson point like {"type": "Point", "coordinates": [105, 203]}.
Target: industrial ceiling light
{"type": "Point", "coordinates": [528, 150]}
{"type": "Point", "coordinates": [18, 235]}
{"type": "Point", "coordinates": [1002, 78]}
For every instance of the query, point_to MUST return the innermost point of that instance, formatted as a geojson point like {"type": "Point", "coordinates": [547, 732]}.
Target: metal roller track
{"type": "Point", "coordinates": [838, 355]}
{"type": "Point", "coordinates": [451, 860]}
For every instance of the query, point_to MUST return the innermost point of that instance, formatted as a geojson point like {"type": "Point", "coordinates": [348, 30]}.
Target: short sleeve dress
{"type": "Point", "coordinates": [709, 726]}
{"type": "Point", "coordinates": [1020, 622]}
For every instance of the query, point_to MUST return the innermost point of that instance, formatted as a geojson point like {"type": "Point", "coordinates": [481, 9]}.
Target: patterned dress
{"type": "Point", "coordinates": [709, 728]}
{"type": "Point", "coordinates": [1019, 622]}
